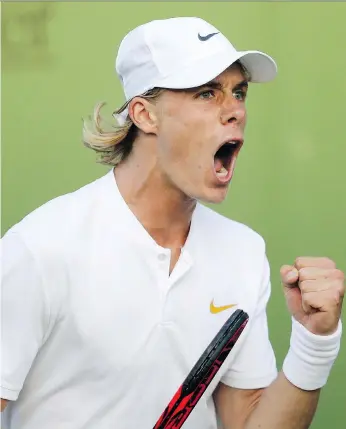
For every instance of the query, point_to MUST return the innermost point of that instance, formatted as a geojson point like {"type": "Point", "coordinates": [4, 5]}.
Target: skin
{"type": "Point", "coordinates": [314, 289]}
{"type": "Point", "coordinates": [4, 403]}
{"type": "Point", "coordinates": [172, 162]}
{"type": "Point", "coordinates": [170, 168]}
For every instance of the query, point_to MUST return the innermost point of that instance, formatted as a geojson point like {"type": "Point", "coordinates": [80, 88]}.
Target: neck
{"type": "Point", "coordinates": [164, 211]}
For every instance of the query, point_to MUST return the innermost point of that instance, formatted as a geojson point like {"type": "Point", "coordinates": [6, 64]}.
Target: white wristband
{"type": "Point", "coordinates": [310, 357]}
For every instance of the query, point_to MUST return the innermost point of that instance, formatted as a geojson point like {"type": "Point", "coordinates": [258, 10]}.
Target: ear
{"type": "Point", "coordinates": [142, 114]}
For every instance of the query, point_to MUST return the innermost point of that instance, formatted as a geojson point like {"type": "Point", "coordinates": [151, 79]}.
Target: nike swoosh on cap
{"type": "Point", "coordinates": [215, 310]}
{"type": "Point", "coordinates": [207, 37]}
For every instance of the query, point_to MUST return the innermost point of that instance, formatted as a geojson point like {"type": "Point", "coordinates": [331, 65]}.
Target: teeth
{"type": "Point", "coordinates": [222, 172]}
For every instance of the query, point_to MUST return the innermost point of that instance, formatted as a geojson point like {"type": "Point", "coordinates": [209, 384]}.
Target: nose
{"type": "Point", "coordinates": [233, 114]}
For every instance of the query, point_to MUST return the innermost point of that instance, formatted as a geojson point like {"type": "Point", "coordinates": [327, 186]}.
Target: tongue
{"type": "Point", "coordinates": [217, 164]}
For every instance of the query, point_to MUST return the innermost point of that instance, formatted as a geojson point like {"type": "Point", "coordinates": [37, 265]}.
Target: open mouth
{"type": "Point", "coordinates": [224, 159]}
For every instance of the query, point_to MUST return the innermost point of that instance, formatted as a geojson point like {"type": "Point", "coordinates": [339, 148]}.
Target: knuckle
{"type": "Point", "coordinates": [334, 293]}
{"type": "Point", "coordinates": [305, 286]}
{"type": "Point", "coordinates": [342, 290]}
{"type": "Point", "coordinates": [299, 262]}
{"type": "Point", "coordinates": [337, 298]}
{"type": "Point", "coordinates": [327, 262]}
{"type": "Point", "coordinates": [339, 274]}
{"type": "Point", "coordinates": [304, 273]}
{"type": "Point", "coordinates": [322, 262]}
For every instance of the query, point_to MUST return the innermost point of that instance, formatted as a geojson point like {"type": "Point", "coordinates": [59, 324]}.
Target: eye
{"type": "Point", "coordinates": [239, 94]}
{"type": "Point", "coordinates": [206, 94]}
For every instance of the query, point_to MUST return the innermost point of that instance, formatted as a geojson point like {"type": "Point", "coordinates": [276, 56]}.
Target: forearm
{"type": "Point", "coordinates": [4, 403]}
{"type": "Point", "coordinates": [284, 406]}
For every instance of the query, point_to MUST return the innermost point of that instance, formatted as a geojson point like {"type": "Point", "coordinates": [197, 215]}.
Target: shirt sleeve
{"type": "Point", "coordinates": [24, 313]}
{"type": "Point", "coordinates": [254, 366]}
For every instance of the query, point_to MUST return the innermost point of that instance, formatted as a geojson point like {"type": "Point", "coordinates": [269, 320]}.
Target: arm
{"type": "Point", "coordinates": [314, 296]}
{"type": "Point", "coordinates": [285, 406]}
{"type": "Point", "coordinates": [281, 405]}
{"type": "Point", "coordinates": [24, 315]}
{"type": "Point", "coordinates": [3, 404]}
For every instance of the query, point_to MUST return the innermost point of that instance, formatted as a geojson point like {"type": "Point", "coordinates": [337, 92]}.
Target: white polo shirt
{"type": "Point", "coordinates": [95, 332]}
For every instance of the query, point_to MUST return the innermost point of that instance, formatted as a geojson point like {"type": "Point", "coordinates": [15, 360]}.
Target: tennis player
{"type": "Point", "coordinates": [112, 292]}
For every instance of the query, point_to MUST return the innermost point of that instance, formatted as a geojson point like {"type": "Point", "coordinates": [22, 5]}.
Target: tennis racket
{"type": "Point", "coordinates": [203, 372]}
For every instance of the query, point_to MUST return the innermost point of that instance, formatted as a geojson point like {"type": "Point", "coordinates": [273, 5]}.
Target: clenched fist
{"type": "Point", "coordinates": [314, 290]}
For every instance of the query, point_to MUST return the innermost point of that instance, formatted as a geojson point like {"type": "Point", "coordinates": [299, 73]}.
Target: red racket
{"type": "Point", "coordinates": [201, 375]}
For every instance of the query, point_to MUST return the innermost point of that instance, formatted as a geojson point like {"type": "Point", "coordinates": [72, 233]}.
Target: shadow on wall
{"type": "Point", "coordinates": [25, 36]}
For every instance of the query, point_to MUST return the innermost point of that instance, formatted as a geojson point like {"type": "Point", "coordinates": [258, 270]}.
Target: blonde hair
{"type": "Point", "coordinates": [115, 145]}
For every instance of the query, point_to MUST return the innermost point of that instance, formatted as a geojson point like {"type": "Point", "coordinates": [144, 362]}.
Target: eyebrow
{"type": "Point", "coordinates": [242, 84]}
{"type": "Point", "coordinates": [214, 84]}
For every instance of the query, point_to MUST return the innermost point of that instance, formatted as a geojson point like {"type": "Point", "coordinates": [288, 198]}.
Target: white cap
{"type": "Point", "coordinates": [181, 53]}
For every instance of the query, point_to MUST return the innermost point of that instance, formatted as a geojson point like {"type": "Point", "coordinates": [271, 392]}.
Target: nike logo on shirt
{"type": "Point", "coordinates": [215, 310]}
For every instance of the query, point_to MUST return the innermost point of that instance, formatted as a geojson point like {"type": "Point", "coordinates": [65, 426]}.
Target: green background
{"type": "Point", "coordinates": [58, 61]}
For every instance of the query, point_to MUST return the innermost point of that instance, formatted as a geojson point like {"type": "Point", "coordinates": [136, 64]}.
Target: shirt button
{"type": "Point", "coordinates": [162, 257]}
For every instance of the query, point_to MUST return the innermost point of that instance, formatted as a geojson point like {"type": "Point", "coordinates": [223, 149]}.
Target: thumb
{"type": "Point", "coordinates": [289, 276]}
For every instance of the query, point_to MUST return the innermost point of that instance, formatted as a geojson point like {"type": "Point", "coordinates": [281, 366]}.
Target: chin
{"type": "Point", "coordinates": [214, 195]}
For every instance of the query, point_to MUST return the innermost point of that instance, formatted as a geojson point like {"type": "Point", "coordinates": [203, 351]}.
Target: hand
{"type": "Point", "coordinates": [314, 290]}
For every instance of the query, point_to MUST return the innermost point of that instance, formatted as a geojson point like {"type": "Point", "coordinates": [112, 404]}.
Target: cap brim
{"type": "Point", "coordinates": [261, 67]}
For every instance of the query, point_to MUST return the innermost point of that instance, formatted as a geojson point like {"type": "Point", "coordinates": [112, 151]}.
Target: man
{"type": "Point", "coordinates": [111, 293]}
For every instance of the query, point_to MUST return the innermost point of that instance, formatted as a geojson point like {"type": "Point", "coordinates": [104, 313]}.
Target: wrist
{"type": "Point", "coordinates": [310, 357]}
